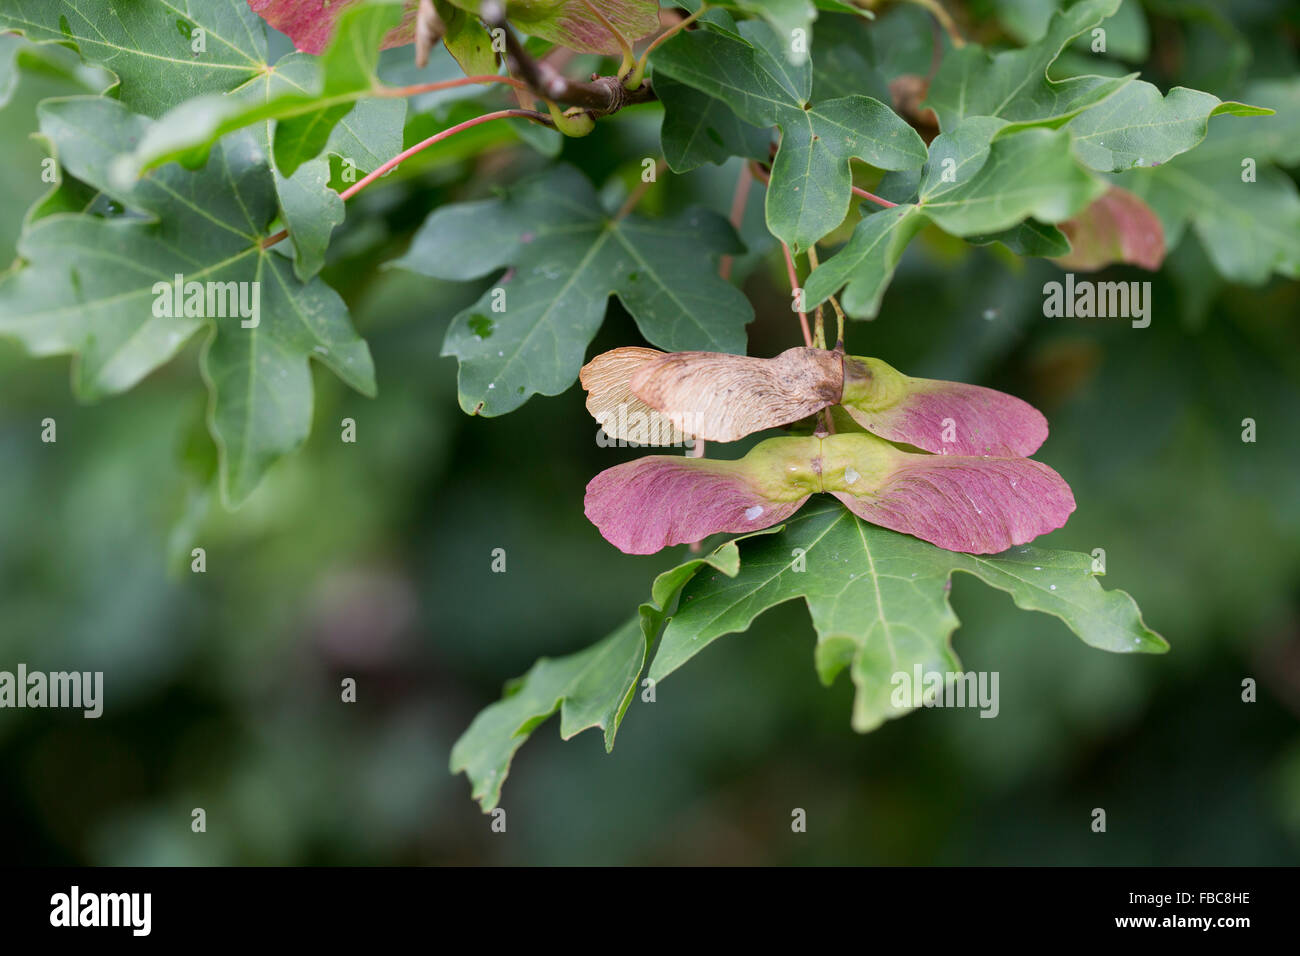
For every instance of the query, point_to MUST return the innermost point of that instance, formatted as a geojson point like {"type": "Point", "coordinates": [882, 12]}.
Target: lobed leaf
{"type": "Point", "coordinates": [1138, 127]}
{"type": "Point", "coordinates": [978, 185]}
{"type": "Point", "coordinates": [591, 688]}
{"type": "Point", "coordinates": [306, 97]}
{"type": "Point", "coordinates": [879, 602]}
{"type": "Point", "coordinates": [567, 258]}
{"type": "Point", "coordinates": [699, 129]}
{"type": "Point", "coordinates": [1245, 211]}
{"type": "Point", "coordinates": [1014, 86]}
{"type": "Point", "coordinates": [149, 44]}
{"type": "Point", "coordinates": [89, 288]}
{"type": "Point", "coordinates": [810, 188]}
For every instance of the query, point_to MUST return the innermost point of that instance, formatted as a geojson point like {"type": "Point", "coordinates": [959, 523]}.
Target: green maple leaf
{"type": "Point", "coordinates": [1028, 238]}
{"type": "Point", "coordinates": [199, 97]}
{"type": "Point", "coordinates": [348, 69]}
{"type": "Point", "coordinates": [467, 40]}
{"type": "Point", "coordinates": [306, 96]}
{"type": "Point", "coordinates": [867, 262]}
{"type": "Point", "coordinates": [879, 602]}
{"type": "Point", "coordinates": [591, 688]}
{"type": "Point", "coordinates": [1249, 229]}
{"type": "Point", "coordinates": [567, 258]}
{"type": "Point", "coordinates": [1014, 85]}
{"type": "Point", "coordinates": [785, 17]}
{"type": "Point", "coordinates": [699, 129]}
{"type": "Point", "coordinates": [149, 44]}
{"type": "Point", "coordinates": [879, 605]}
{"type": "Point", "coordinates": [1138, 127]}
{"type": "Point", "coordinates": [88, 288]}
{"type": "Point", "coordinates": [976, 187]}
{"type": "Point", "coordinates": [1118, 122]}
{"type": "Point", "coordinates": [993, 175]}
{"type": "Point", "coordinates": [845, 61]}
{"type": "Point", "coordinates": [1245, 211]}
{"type": "Point", "coordinates": [811, 181]}
{"type": "Point", "coordinates": [367, 135]}
{"type": "Point", "coordinates": [1033, 173]}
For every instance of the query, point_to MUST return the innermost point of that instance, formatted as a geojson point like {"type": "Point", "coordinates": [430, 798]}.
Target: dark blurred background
{"type": "Point", "coordinates": [372, 560]}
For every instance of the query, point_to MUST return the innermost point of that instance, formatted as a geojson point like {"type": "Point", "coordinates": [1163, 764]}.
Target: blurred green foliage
{"type": "Point", "coordinates": [372, 560]}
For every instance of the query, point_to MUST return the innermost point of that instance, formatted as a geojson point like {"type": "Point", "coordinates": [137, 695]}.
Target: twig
{"type": "Point", "coordinates": [738, 200]}
{"type": "Point", "coordinates": [419, 147]}
{"type": "Point", "coordinates": [399, 92]}
{"type": "Point", "coordinates": [437, 138]}
{"type": "Point", "coordinates": [936, 51]}
{"type": "Point", "coordinates": [602, 96]}
{"type": "Point", "coordinates": [696, 451]}
{"type": "Point", "coordinates": [762, 175]}
{"type": "Point", "coordinates": [794, 287]}
{"type": "Point", "coordinates": [819, 330]}
{"type": "Point", "coordinates": [629, 58]}
{"type": "Point", "coordinates": [859, 191]}
{"type": "Point", "coordinates": [634, 78]}
{"type": "Point", "coordinates": [839, 323]}
{"type": "Point", "coordinates": [640, 190]}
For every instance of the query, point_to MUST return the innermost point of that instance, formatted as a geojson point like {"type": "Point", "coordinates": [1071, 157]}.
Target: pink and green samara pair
{"type": "Point", "coordinates": [943, 461]}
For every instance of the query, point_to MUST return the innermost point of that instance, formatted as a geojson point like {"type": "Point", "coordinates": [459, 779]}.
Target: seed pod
{"type": "Point", "coordinates": [607, 379]}
{"type": "Point", "coordinates": [947, 418]}
{"type": "Point", "coordinates": [721, 397]}
{"type": "Point", "coordinates": [978, 505]}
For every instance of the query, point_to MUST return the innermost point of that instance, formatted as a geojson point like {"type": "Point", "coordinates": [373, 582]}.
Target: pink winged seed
{"type": "Point", "coordinates": [980, 421]}
{"type": "Point", "coordinates": [645, 505]}
{"type": "Point", "coordinates": [577, 29]}
{"type": "Point", "coordinates": [975, 505]}
{"type": "Point", "coordinates": [1117, 227]}
{"type": "Point", "coordinates": [722, 397]}
{"type": "Point", "coordinates": [310, 23]}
